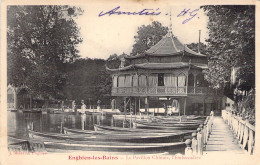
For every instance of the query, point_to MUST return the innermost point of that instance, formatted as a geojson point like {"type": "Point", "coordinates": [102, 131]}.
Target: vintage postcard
{"type": "Point", "coordinates": [111, 82]}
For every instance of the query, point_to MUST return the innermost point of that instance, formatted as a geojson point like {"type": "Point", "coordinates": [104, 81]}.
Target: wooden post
{"type": "Point", "coordinates": [185, 99]}
{"type": "Point", "coordinates": [32, 125]}
{"type": "Point", "coordinates": [125, 107]}
{"type": "Point", "coordinates": [134, 125]}
{"type": "Point", "coordinates": [146, 106]}
{"type": "Point", "coordinates": [139, 106]}
{"type": "Point", "coordinates": [200, 145]}
{"type": "Point", "coordinates": [135, 107]}
{"type": "Point", "coordinates": [61, 128]}
{"type": "Point", "coordinates": [188, 149]}
{"type": "Point", "coordinates": [158, 105]}
{"type": "Point", "coordinates": [194, 144]}
{"type": "Point", "coordinates": [82, 123]}
{"type": "Point", "coordinates": [130, 104]}
{"type": "Point", "coordinates": [112, 121]}
{"type": "Point", "coordinates": [124, 123]}
{"type": "Point", "coordinates": [130, 119]}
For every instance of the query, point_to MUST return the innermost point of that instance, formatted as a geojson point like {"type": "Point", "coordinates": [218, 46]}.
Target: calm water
{"type": "Point", "coordinates": [18, 123]}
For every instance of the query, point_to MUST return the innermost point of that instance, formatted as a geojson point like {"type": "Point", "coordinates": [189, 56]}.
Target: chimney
{"type": "Point", "coordinates": [199, 43]}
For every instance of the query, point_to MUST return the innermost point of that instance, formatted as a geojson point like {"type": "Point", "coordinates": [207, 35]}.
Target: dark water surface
{"type": "Point", "coordinates": [18, 123]}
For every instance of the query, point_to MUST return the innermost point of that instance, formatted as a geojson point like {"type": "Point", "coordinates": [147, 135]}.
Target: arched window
{"type": "Point", "coordinates": [191, 80]}
{"type": "Point", "coordinates": [135, 80]}
{"type": "Point", "coordinates": [142, 81]}
{"type": "Point", "coordinates": [115, 81]}
{"type": "Point", "coordinates": [128, 80]}
{"type": "Point", "coordinates": [10, 95]}
{"type": "Point", "coordinates": [153, 80]}
{"type": "Point", "coordinates": [170, 80]}
{"type": "Point", "coordinates": [181, 80]}
{"type": "Point", "coordinates": [121, 80]}
{"type": "Point", "coordinates": [200, 81]}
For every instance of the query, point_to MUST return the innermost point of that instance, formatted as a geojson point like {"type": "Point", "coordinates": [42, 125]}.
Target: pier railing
{"type": "Point", "coordinates": [163, 90]}
{"type": "Point", "coordinates": [197, 144]}
{"type": "Point", "coordinates": [243, 131]}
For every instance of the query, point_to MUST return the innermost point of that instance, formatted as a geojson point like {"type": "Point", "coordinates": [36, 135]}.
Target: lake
{"type": "Point", "coordinates": [18, 124]}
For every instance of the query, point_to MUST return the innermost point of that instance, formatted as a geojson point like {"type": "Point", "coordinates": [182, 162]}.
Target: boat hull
{"type": "Point", "coordinates": [112, 147]}
{"type": "Point", "coordinates": [145, 125]}
{"type": "Point", "coordinates": [116, 137]}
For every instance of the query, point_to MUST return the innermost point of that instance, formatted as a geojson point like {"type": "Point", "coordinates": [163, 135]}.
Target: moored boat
{"type": "Point", "coordinates": [78, 131]}
{"type": "Point", "coordinates": [31, 111]}
{"type": "Point", "coordinates": [138, 137]}
{"type": "Point", "coordinates": [122, 130]}
{"type": "Point", "coordinates": [176, 126]}
{"type": "Point", "coordinates": [108, 146]}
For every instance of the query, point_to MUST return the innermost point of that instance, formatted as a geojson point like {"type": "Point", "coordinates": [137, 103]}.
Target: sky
{"type": "Point", "coordinates": [106, 35]}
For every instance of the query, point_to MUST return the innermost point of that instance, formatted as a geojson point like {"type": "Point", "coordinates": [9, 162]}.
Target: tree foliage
{"type": "Point", "coordinates": [231, 44]}
{"type": "Point", "coordinates": [87, 78]}
{"type": "Point", "coordinates": [194, 47]}
{"type": "Point", "coordinates": [41, 39]}
{"type": "Point", "coordinates": [148, 36]}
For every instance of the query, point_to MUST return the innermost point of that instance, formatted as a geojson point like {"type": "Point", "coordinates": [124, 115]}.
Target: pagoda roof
{"type": "Point", "coordinates": [158, 66]}
{"type": "Point", "coordinates": [167, 46]}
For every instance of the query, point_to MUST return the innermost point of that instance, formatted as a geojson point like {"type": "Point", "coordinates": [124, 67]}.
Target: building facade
{"type": "Point", "coordinates": [167, 73]}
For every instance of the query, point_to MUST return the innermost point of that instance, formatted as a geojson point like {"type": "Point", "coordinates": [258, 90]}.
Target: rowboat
{"type": "Point", "coordinates": [92, 113]}
{"type": "Point", "coordinates": [183, 118]}
{"type": "Point", "coordinates": [79, 131]}
{"type": "Point", "coordinates": [139, 124]}
{"type": "Point", "coordinates": [68, 145]}
{"type": "Point", "coordinates": [138, 137]}
{"type": "Point", "coordinates": [26, 145]}
{"type": "Point", "coordinates": [31, 111]}
{"type": "Point", "coordinates": [191, 122]}
{"type": "Point", "coordinates": [52, 145]}
{"type": "Point", "coordinates": [128, 116]}
{"type": "Point", "coordinates": [122, 130]}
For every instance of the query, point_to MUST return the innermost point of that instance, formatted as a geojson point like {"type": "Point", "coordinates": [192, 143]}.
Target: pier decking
{"type": "Point", "coordinates": [222, 139]}
{"type": "Point", "coordinates": [225, 135]}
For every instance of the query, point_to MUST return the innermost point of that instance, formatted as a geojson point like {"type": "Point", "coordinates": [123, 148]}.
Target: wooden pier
{"type": "Point", "coordinates": [226, 134]}
{"type": "Point", "coordinates": [221, 139]}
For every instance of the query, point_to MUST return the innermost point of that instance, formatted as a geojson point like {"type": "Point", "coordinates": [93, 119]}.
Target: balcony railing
{"type": "Point", "coordinates": [162, 90]}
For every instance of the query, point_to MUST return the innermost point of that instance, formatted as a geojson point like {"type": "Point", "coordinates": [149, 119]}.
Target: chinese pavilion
{"type": "Point", "coordinates": [167, 72]}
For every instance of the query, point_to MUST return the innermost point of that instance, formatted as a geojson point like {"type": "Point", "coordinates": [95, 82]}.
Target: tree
{"type": "Point", "coordinates": [194, 47]}
{"type": "Point", "coordinates": [231, 44]}
{"type": "Point", "coordinates": [87, 79]}
{"type": "Point", "coordinates": [148, 36]}
{"type": "Point", "coordinates": [41, 39]}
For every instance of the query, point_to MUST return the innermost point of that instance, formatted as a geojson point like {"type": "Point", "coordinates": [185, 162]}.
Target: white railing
{"type": "Point", "coordinates": [197, 144]}
{"type": "Point", "coordinates": [243, 131]}
{"type": "Point", "coordinates": [161, 90]}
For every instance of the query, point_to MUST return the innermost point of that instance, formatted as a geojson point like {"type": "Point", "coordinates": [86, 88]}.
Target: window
{"type": "Point", "coordinates": [115, 81]}
{"type": "Point", "coordinates": [191, 80]}
{"type": "Point", "coordinates": [201, 82]}
{"type": "Point", "coordinates": [170, 80]}
{"type": "Point", "coordinates": [160, 79]}
{"type": "Point", "coordinates": [181, 80]}
{"type": "Point", "coordinates": [142, 81]}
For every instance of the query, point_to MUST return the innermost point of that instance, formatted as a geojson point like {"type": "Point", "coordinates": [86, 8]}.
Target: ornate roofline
{"type": "Point", "coordinates": [163, 66]}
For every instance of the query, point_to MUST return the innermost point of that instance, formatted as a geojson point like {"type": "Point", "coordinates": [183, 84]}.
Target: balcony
{"type": "Point", "coordinates": [163, 91]}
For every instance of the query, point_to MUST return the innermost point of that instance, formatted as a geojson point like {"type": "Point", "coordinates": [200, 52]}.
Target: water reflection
{"type": "Point", "coordinates": [19, 122]}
